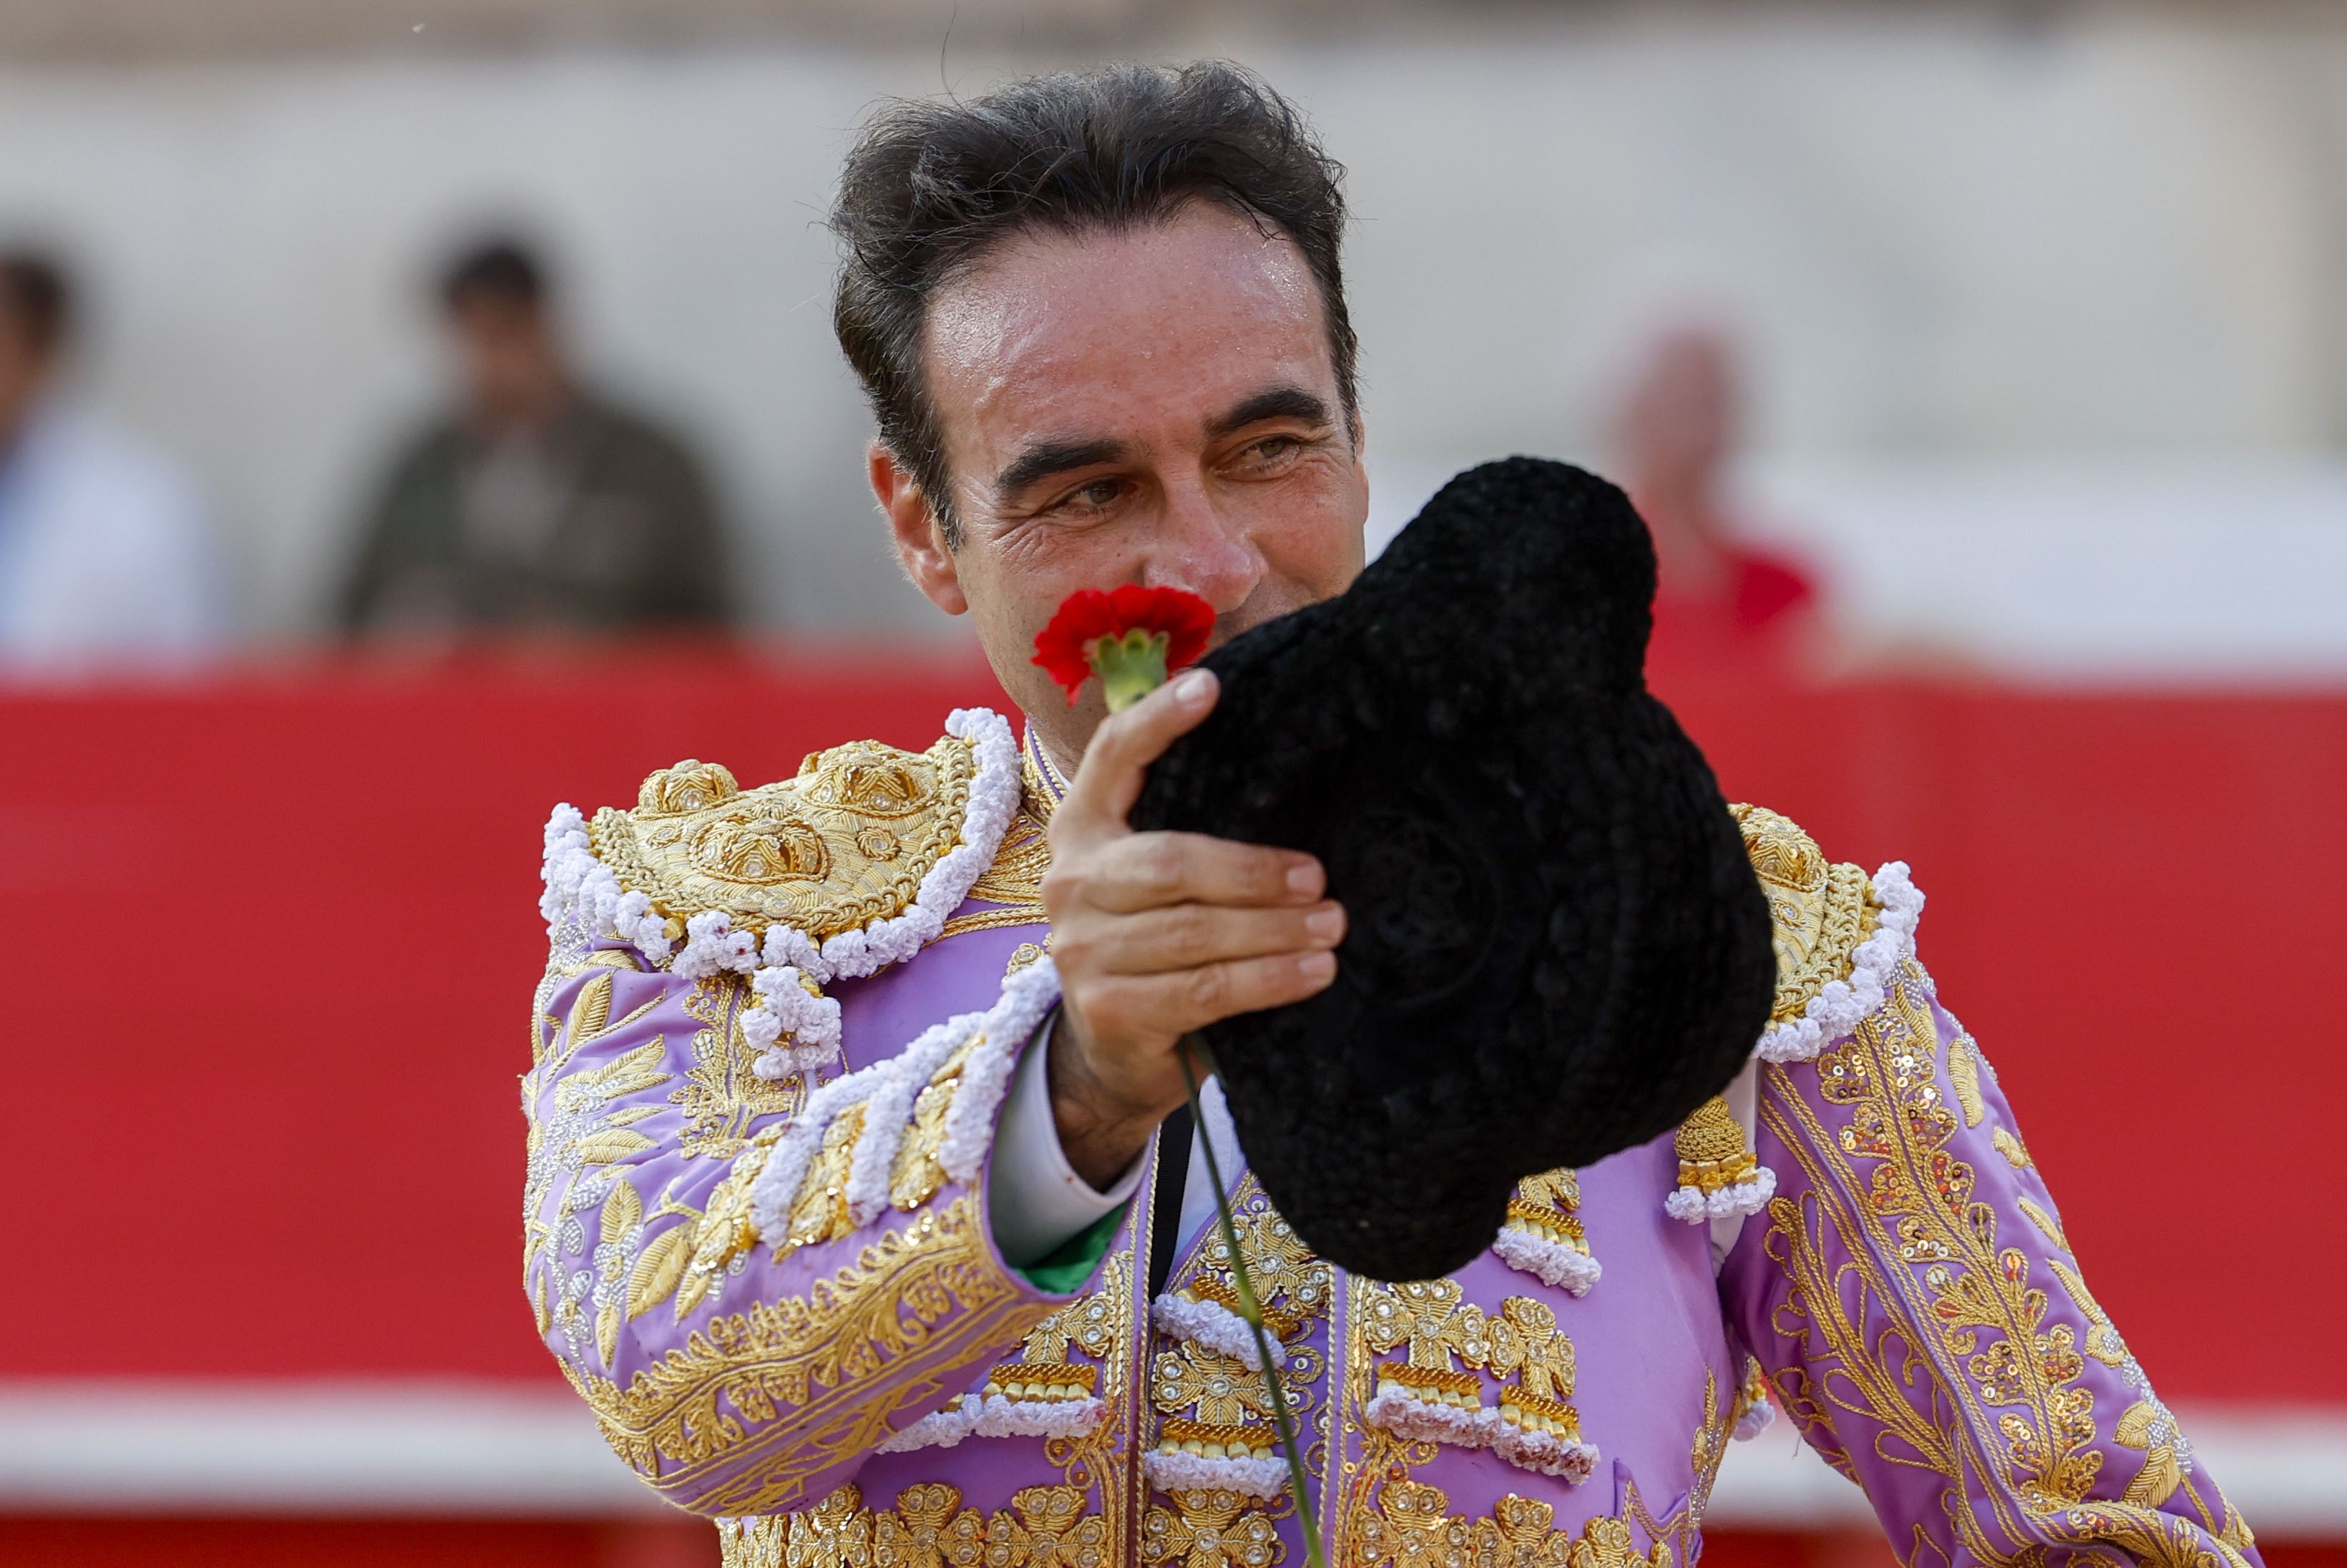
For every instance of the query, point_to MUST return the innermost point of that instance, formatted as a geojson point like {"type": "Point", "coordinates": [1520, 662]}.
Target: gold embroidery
{"type": "Point", "coordinates": [1439, 1329]}
{"type": "Point", "coordinates": [819, 1211]}
{"type": "Point", "coordinates": [916, 1175]}
{"type": "Point", "coordinates": [1711, 1444]}
{"type": "Point", "coordinates": [1196, 1390]}
{"type": "Point", "coordinates": [2046, 1223]}
{"type": "Point", "coordinates": [1046, 1527]}
{"type": "Point", "coordinates": [1965, 1078]}
{"type": "Point", "coordinates": [1411, 1526]}
{"type": "Point", "coordinates": [1819, 912]}
{"type": "Point", "coordinates": [1712, 1150]}
{"type": "Point", "coordinates": [1025, 954]}
{"type": "Point", "coordinates": [703, 1249]}
{"type": "Point", "coordinates": [623, 1213]}
{"type": "Point", "coordinates": [1016, 877]}
{"type": "Point", "coordinates": [993, 919]}
{"type": "Point", "coordinates": [786, 1381]}
{"type": "Point", "coordinates": [1551, 1199]}
{"type": "Point", "coordinates": [803, 852]}
{"type": "Point", "coordinates": [2019, 1409]}
{"type": "Point", "coordinates": [579, 1135]}
{"type": "Point", "coordinates": [720, 1095]}
{"type": "Point", "coordinates": [1015, 880]}
{"type": "Point", "coordinates": [2008, 1145]}
{"type": "Point", "coordinates": [928, 1528]}
{"type": "Point", "coordinates": [1210, 1529]}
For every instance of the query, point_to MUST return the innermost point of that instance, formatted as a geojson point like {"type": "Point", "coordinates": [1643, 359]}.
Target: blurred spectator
{"type": "Point", "coordinates": [1723, 602]}
{"type": "Point", "coordinates": [537, 504]}
{"type": "Point", "coordinates": [106, 557]}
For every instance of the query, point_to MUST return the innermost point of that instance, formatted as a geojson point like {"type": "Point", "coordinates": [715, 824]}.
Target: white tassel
{"type": "Point", "coordinates": [1413, 1419]}
{"type": "Point", "coordinates": [1209, 1325]}
{"type": "Point", "coordinates": [1171, 1470]}
{"type": "Point", "coordinates": [993, 1416]}
{"type": "Point", "coordinates": [1695, 1206]}
{"type": "Point", "coordinates": [1567, 1458]}
{"type": "Point", "coordinates": [1553, 1263]}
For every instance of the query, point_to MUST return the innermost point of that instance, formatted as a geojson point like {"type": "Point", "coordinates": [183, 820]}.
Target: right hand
{"type": "Point", "coordinates": [1156, 934]}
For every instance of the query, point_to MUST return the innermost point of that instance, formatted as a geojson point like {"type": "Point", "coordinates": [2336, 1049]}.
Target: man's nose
{"type": "Point", "coordinates": [1204, 552]}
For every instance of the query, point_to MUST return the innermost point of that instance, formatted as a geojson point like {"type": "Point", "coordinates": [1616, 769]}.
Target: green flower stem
{"type": "Point", "coordinates": [1250, 1309]}
{"type": "Point", "coordinates": [1129, 667]}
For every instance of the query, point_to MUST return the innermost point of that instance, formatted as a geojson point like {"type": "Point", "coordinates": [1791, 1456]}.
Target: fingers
{"type": "Point", "coordinates": [1152, 870]}
{"type": "Point", "coordinates": [1190, 936]}
{"type": "Point", "coordinates": [1172, 1003]}
{"type": "Point", "coordinates": [1108, 781]}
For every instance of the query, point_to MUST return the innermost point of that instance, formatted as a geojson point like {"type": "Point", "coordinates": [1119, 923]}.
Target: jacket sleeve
{"type": "Point", "coordinates": [1915, 1305]}
{"type": "Point", "coordinates": [754, 1287]}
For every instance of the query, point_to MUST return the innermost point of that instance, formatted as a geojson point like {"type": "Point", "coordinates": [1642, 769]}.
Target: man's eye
{"type": "Point", "coordinates": [1271, 449]}
{"type": "Point", "coordinates": [1099, 494]}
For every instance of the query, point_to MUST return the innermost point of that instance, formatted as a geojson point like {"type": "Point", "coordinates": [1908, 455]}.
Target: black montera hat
{"type": "Point", "coordinates": [1557, 948]}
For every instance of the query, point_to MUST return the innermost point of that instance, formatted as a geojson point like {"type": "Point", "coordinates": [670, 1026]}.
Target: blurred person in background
{"type": "Point", "coordinates": [105, 556]}
{"type": "Point", "coordinates": [538, 503]}
{"type": "Point", "coordinates": [1723, 602]}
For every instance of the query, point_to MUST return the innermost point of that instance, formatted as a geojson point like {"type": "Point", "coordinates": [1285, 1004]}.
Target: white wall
{"type": "Point", "coordinates": [1951, 244]}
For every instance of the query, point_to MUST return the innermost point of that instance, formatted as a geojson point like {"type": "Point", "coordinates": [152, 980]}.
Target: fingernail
{"type": "Point", "coordinates": [1193, 687]}
{"type": "Point", "coordinates": [1325, 923]}
{"type": "Point", "coordinates": [1303, 877]}
{"type": "Point", "coordinates": [1318, 966]}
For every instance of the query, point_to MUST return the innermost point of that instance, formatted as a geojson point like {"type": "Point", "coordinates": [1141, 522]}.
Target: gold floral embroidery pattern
{"type": "Point", "coordinates": [1210, 1529]}
{"type": "Point", "coordinates": [1943, 1344]}
{"type": "Point", "coordinates": [844, 843]}
{"type": "Point", "coordinates": [1045, 1526]}
{"type": "Point", "coordinates": [580, 1137]}
{"type": "Point", "coordinates": [720, 1096]}
{"type": "Point", "coordinates": [1207, 1400]}
{"type": "Point", "coordinates": [717, 1402]}
{"type": "Point", "coordinates": [1441, 1333]}
{"type": "Point", "coordinates": [1411, 1526]}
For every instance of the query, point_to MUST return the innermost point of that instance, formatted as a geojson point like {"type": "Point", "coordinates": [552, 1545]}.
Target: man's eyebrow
{"type": "Point", "coordinates": [1272, 402]}
{"type": "Point", "coordinates": [1045, 458]}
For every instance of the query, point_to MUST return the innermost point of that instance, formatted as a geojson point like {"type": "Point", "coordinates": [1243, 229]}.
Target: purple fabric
{"type": "Point", "coordinates": [1962, 1381]}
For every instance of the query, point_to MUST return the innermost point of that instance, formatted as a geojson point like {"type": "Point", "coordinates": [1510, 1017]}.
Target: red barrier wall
{"type": "Point", "coordinates": [271, 941]}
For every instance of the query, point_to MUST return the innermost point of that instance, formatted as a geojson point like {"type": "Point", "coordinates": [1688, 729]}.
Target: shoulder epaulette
{"type": "Point", "coordinates": [853, 865]}
{"type": "Point", "coordinates": [1840, 933]}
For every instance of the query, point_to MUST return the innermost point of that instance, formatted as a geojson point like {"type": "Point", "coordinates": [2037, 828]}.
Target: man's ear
{"type": "Point", "coordinates": [913, 529]}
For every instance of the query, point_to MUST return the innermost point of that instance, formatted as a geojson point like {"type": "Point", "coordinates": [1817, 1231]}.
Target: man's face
{"type": "Point", "coordinates": [1154, 406]}
{"type": "Point", "coordinates": [511, 365]}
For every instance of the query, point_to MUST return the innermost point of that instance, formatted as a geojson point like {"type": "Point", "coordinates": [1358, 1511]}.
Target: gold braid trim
{"type": "Point", "coordinates": [1819, 912]}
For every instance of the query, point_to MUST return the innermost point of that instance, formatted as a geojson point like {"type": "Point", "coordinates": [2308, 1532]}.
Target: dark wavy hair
{"type": "Point", "coordinates": [929, 188]}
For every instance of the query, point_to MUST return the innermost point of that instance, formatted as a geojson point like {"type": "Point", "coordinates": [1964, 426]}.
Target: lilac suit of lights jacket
{"type": "Point", "coordinates": [769, 1053]}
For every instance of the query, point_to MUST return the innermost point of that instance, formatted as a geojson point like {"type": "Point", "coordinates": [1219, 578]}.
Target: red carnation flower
{"type": "Point", "coordinates": [1131, 637]}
